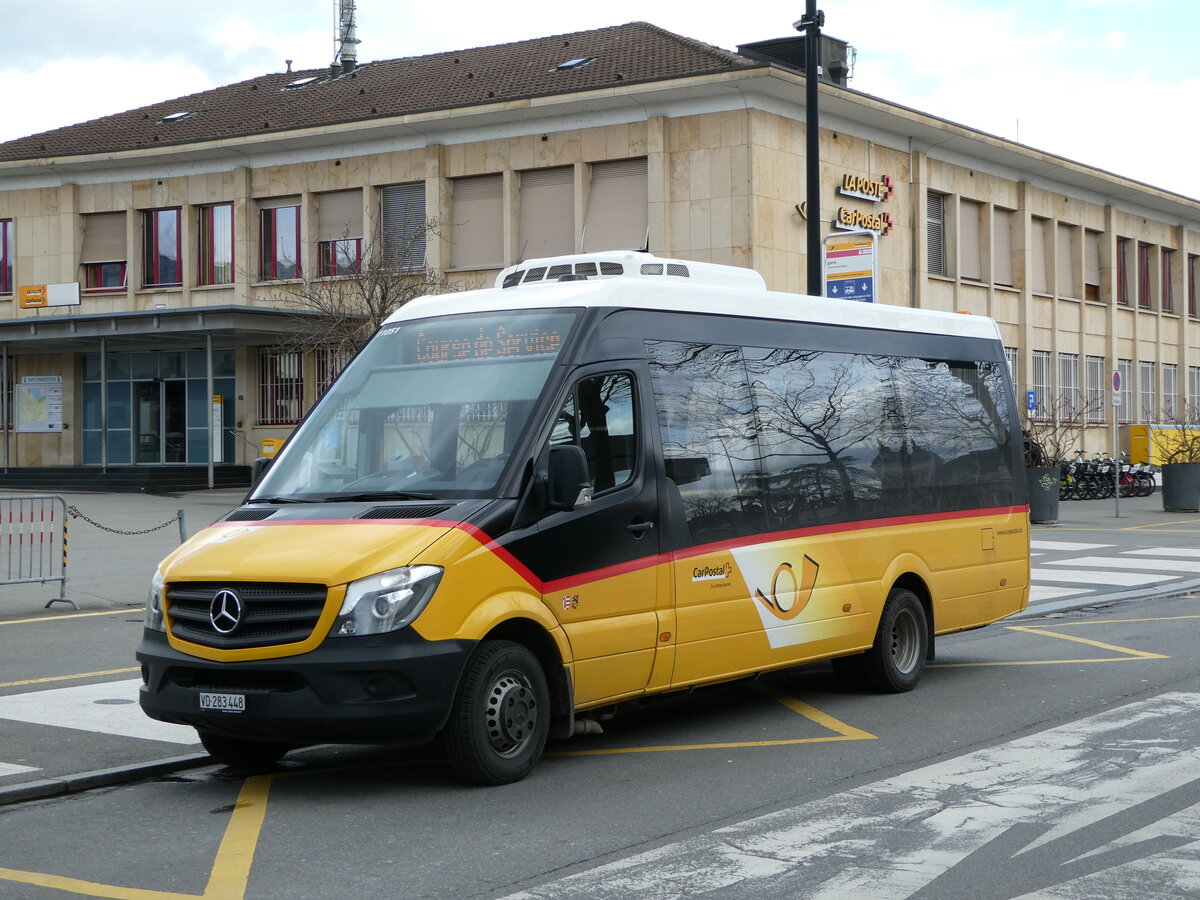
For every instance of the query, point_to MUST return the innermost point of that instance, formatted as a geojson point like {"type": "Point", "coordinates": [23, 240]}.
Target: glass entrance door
{"type": "Point", "coordinates": [160, 409]}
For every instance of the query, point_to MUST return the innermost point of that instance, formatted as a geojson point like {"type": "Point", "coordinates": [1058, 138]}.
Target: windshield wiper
{"type": "Point", "coordinates": [281, 500]}
{"type": "Point", "coordinates": [382, 495]}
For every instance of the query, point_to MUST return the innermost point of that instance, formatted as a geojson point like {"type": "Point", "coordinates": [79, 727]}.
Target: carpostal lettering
{"type": "Point", "coordinates": [712, 573]}
{"type": "Point", "coordinates": [880, 223]}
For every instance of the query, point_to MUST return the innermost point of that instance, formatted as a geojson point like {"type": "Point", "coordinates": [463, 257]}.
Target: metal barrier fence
{"type": "Point", "coordinates": [33, 542]}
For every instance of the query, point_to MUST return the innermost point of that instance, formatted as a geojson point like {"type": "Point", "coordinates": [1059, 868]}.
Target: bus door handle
{"type": "Point", "coordinates": [639, 528]}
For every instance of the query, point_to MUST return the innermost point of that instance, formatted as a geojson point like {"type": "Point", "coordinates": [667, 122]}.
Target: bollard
{"type": "Point", "coordinates": [182, 527]}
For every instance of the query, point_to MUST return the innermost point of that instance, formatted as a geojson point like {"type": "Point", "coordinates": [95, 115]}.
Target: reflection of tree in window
{"type": "Point", "coordinates": [826, 424]}
{"type": "Point", "coordinates": [709, 436]}
{"type": "Point", "coordinates": [962, 414]}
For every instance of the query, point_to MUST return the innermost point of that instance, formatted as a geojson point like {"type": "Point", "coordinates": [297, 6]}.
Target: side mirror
{"type": "Point", "coordinates": [259, 468]}
{"type": "Point", "coordinates": [569, 486]}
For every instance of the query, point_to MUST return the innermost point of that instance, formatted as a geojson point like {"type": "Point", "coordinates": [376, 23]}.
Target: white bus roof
{"type": "Point", "coordinates": [633, 280]}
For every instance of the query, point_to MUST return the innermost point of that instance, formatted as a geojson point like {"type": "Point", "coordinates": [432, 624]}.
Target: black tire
{"type": "Point", "coordinates": [501, 716]}
{"type": "Point", "coordinates": [895, 663]}
{"type": "Point", "coordinates": [240, 753]}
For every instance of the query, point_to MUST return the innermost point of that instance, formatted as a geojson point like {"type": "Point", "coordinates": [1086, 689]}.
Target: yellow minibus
{"type": "Point", "coordinates": [609, 476]}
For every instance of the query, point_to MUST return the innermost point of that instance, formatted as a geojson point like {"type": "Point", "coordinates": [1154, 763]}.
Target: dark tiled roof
{"type": "Point", "coordinates": [623, 54]}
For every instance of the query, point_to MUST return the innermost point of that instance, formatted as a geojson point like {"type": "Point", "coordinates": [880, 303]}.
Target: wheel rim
{"type": "Point", "coordinates": [510, 713]}
{"type": "Point", "coordinates": [906, 641]}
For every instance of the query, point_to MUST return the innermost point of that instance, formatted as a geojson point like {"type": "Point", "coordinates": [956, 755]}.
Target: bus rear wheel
{"type": "Point", "coordinates": [240, 753]}
{"type": "Point", "coordinates": [501, 716]}
{"type": "Point", "coordinates": [896, 660]}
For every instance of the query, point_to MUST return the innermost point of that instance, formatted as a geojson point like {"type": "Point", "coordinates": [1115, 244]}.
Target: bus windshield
{"type": "Point", "coordinates": [430, 408]}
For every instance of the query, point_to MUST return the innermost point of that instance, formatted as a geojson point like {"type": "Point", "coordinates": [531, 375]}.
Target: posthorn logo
{"type": "Point", "coordinates": [225, 611]}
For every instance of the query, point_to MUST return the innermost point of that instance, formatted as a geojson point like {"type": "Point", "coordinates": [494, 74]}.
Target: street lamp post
{"type": "Point", "coordinates": [811, 26]}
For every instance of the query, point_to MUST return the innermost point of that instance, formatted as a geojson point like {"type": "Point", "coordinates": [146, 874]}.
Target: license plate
{"type": "Point", "coordinates": [223, 702]}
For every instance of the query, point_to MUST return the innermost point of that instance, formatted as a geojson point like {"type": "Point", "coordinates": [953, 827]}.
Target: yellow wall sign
{"type": "Point", "coordinates": [31, 295]}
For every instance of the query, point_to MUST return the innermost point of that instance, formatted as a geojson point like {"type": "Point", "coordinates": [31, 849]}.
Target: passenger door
{"type": "Point", "coordinates": [602, 562]}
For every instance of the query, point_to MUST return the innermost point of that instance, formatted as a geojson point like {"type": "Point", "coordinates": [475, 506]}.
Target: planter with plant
{"type": "Point", "coordinates": [1177, 447]}
{"type": "Point", "coordinates": [1049, 440]}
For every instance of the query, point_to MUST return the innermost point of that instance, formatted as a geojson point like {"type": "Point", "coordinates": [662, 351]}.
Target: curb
{"type": "Point", "coordinates": [85, 781]}
{"type": "Point", "coordinates": [1161, 591]}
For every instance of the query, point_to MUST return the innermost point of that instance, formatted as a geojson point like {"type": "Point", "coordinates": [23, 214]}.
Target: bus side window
{"type": "Point", "coordinates": [599, 417]}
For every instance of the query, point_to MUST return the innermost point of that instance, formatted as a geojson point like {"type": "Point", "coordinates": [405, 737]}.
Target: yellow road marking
{"type": "Point", "coordinates": [7, 684]}
{"type": "Point", "coordinates": [230, 870]}
{"type": "Point", "coordinates": [1129, 653]}
{"type": "Point", "coordinates": [110, 612]}
{"type": "Point", "coordinates": [841, 732]}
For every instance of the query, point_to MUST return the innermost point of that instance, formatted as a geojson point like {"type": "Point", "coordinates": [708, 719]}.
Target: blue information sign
{"type": "Point", "coordinates": [1031, 401]}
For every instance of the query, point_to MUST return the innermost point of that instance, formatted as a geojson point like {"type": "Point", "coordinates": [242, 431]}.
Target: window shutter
{"type": "Point", "coordinates": [547, 217]}
{"type": "Point", "coordinates": [1091, 258]}
{"type": "Point", "coordinates": [1037, 257]}
{"type": "Point", "coordinates": [339, 215]}
{"type": "Point", "coordinates": [104, 238]}
{"type": "Point", "coordinates": [402, 222]}
{"type": "Point", "coordinates": [1002, 264]}
{"type": "Point", "coordinates": [935, 232]}
{"type": "Point", "coordinates": [618, 214]}
{"type": "Point", "coordinates": [1064, 265]}
{"type": "Point", "coordinates": [970, 259]}
{"type": "Point", "coordinates": [277, 202]}
{"type": "Point", "coordinates": [478, 224]}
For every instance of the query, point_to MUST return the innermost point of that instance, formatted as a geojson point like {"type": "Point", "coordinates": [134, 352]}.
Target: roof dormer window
{"type": "Point", "coordinates": [578, 63]}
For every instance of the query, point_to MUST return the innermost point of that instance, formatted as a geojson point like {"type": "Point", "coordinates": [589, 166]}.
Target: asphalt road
{"type": "Point", "coordinates": [1074, 737]}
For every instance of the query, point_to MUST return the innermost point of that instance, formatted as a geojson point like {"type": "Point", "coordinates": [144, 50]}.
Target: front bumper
{"type": "Point", "coordinates": [377, 689]}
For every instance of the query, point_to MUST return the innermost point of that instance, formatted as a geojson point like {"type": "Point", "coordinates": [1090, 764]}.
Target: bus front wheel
{"type": "Point", "coordinates": [896, 660]}
{"type": "Point", "coordinates": [501, 716]}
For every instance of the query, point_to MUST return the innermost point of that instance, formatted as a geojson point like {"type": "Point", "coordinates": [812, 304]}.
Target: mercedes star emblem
{"type": "Point", "coordinates": [225, 612]}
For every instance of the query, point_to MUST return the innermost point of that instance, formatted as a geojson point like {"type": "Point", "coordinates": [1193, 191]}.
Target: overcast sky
{"type": "Point", "coordinates": [1111, 83]}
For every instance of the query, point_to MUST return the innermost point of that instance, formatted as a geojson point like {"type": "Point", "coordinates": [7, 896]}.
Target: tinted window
{"type": "Point", "coordinates": [599, 416]}
{"type": "Point", "coordinates": [708, 429]}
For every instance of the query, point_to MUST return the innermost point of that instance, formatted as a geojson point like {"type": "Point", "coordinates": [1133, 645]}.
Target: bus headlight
{"type": "Point", "coordinates": [386, 602]}
{"type": "Point", "coordinates": [154, 604]}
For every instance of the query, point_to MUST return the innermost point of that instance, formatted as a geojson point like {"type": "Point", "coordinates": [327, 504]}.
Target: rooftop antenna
{"type": "Point", "coordinates": [345, 43]}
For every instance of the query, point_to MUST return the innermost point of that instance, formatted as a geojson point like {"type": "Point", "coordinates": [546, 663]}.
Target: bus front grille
{"type": "Point", "coordinates": [240, 614]}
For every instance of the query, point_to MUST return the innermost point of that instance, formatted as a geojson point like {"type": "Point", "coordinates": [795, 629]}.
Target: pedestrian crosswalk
{"type": "Point", "coordinates": [1071, 569]}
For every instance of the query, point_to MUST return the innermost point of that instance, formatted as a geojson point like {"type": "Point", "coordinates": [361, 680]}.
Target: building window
{"type": "Point", "coordinates": [329, 363]}
{"type": "Point", "coordinates": [618, 206]}
{"type": "Point", "coordinates": [1193, 293]}
{"type": "Point", "coordinates": [1012, 356]}
{"type": "Point", "coordinates": [935, 232]}
{"type": "Point", "coordinates": [1041, 384]}
{"type": "Point", "coordinates": [161, 248]}
{"type": "Point", "coordinates": [1095, 388]}
{"type": "Point", "coordinates": [1170, 391]}
{"type": "Point", "coordinates": [1123, 271]}
{"type": "Point", "coordinates": [103, 255]}
{"type": "Point", "coordinates": [215, 254]}
{"type": "Point", "coordinates": [1168, 292]}
{"type": "Point", "coordinates": [477, 222]}
{"type": "Point", "coordinates": [970, 259]}
{"type": "Point", "coordinates": [1125, 367]}
{"type": "Point", "coordinates": [279, 239]}
{"type": "Point", "coordinates": [1039, 233]}
{"type": "Point", "coordinates": [1148, 393]}
{"type": "Point", "coordinates": [1143, 273]}
{"type": "Point", "coordinates": [1002, 255]}
{"type": "Point", "coordinates": [280, 387]}
{"type": "Point", "coordinates": [102, 278]}
{"type": "Point", "coordinates": [546, 220]}
{"type": "Point", "coordinates": [1068, 386]}
{"type": "Point", "coordinates": [339, 233]}
{"type": "Point", "coordinates": [1193, 393]}
{"type": "Point", "coordinates": [1064, 262]}
{"type": "Point", "coordinates": [1091, 265]}
{"type": "Point", "coordinates": [402, 225]}
{"type": "Point", "coordinates": [6, 257]}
